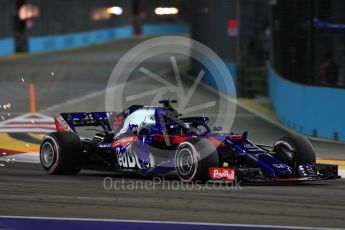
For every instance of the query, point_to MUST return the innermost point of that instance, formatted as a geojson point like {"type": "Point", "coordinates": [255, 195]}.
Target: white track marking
{"type": "Point", "coordinates": [75, 101]}
{"type": "Point", "coordinates": [28, 123]}
{"type": "Point", "coordinates": [26, 130]}
{"type": "Point", "coordinates": [167, 222]}
{"type": "Point", "coordinates": [94, 94]}
{"type": "Point", "coordinates": [341, 173]}
{"type": "Point", "coordinates": [30, 157]}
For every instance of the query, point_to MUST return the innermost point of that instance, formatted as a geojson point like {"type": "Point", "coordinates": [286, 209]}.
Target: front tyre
{"type": "Point", "coordinates": [61, 153]}
{"type": "Point", "coordinates": [295, 150]}
{"type": "Point", "coordinates": [193, 159]}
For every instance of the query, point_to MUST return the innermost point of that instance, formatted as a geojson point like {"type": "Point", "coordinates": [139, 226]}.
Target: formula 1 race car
{"type": "Point", "coordinates": [147, 140]}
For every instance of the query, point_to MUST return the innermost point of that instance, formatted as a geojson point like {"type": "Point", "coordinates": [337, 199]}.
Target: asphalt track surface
{"type": "Point", "coordinates": [26, 190]}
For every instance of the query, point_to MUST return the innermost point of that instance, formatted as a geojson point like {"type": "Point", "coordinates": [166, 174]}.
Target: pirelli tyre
{"type": "Point", "coordinates": [61, 153]}
{"type": "Point", "coordinates": [193, 158]}
{"type": "Point", "coordinates": [295, 150]}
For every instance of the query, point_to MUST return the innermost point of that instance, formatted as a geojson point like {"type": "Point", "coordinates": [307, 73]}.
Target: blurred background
{"type": "Point", "coordinates": [286, 58]}
{"type": "Point", "coordinates": [286, 55]}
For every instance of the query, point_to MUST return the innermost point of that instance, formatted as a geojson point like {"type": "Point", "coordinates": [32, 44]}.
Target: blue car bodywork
{"type": "Point", "coordinates": [143, 140]}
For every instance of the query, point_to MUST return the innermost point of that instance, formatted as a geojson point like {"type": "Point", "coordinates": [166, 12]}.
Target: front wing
{"type": "Point", "coordinates": [324, 172]}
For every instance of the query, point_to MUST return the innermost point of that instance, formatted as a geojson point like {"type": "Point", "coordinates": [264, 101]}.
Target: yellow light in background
{"type": "Point", "coordinates": [103, 14]}
{"type": "Point", "coordinates": [117, 10]}
{"type": "Point", "coordinates": [100, 14]}
{"type": "Point", "coordinates": [166, 10]}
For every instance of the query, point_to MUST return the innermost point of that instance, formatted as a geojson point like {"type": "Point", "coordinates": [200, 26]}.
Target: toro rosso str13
{"type": "Point", "coordinates": [147, 140]}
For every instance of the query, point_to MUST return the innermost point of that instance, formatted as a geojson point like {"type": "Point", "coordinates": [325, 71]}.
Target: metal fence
{"type": "Point", "coordinates": [62, 16]}
{"type": "Point", "coordinates": [210, 26]}
{"type": "Point", "coordinates": [58, 17]}
{"type": "Point", "coordinates": [235, 30]}
{"type": "Point", "coordinates": [65, 16]}
{"type": "Point", "coordinates": [309, 41]}
{"type": "Point", "coordinates": [7, 14]}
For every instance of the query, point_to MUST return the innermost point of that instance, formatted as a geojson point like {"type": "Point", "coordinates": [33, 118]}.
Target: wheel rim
{"type": "Point", "coordinates": [47, 154]}
{"type": "Point", "coordinates": [286, 153]}
{"type": "Point", "coordinates": [185, 162]}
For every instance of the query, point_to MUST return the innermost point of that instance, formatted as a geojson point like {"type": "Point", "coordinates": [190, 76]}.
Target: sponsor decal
{"type": "Point", "coordinates": [254, 150]}
{"type": "Point", "coordinates": [279, 166]}
{"type": "Point", "coordinates": [224, 174]}
{"type": "Point", "coordinates": [128, 159]}
{"type": "Point", "coordinates": [104, 145]}
{"type": "Point", "coordinates": [251, 148]}
{"type": "Point", "coordinates": [247, 145]}
{"type": "Point", "coordinates": [124, 141]}
{"type": "Point", "coordinates": [126, 155]}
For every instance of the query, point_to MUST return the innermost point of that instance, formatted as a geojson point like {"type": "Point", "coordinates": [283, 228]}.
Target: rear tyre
{"type": "Point", "coordinates": [295, 150]}
{"type": "Point", "coordinates": [193, 159]}
{"type": "Point", "coordinates": [61, 153]}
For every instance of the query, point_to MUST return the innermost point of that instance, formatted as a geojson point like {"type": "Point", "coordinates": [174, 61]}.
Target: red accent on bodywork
{"type": "Point", "coordinates": [58, 125]}
{"type": "Point", "coordinates": [124, 141]}
{"type": "Point", "coordinates": [235, 137]}
{"type": "Point", "coordinates": [175, 140]}
{"type": "Point", "coordinates": [118, 120]}
{"type": "Point", "coordinates": [224, 174]}
{"type": "Point", "coordinates": [214, 141]}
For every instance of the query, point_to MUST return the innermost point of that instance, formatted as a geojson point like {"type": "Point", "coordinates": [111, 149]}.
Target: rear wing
{"type": "Point", "coordinates": [69, 121]}
{"type": "Point", "coordinates": [109, 121]}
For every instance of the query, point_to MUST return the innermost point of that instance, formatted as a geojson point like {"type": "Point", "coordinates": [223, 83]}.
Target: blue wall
{"type": "Point", "coordinates": [7, 46]}
{"type": "Point", "coordinates": [210, 78]}
{"type": "Point", "coordinates": [164, 28]}
{"type": "Point", "coordinates": [56, 42]}
{"type": "Point", "coordinates": [38, 44]}
{"type": "Point", "coordinates": [307, 108]}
